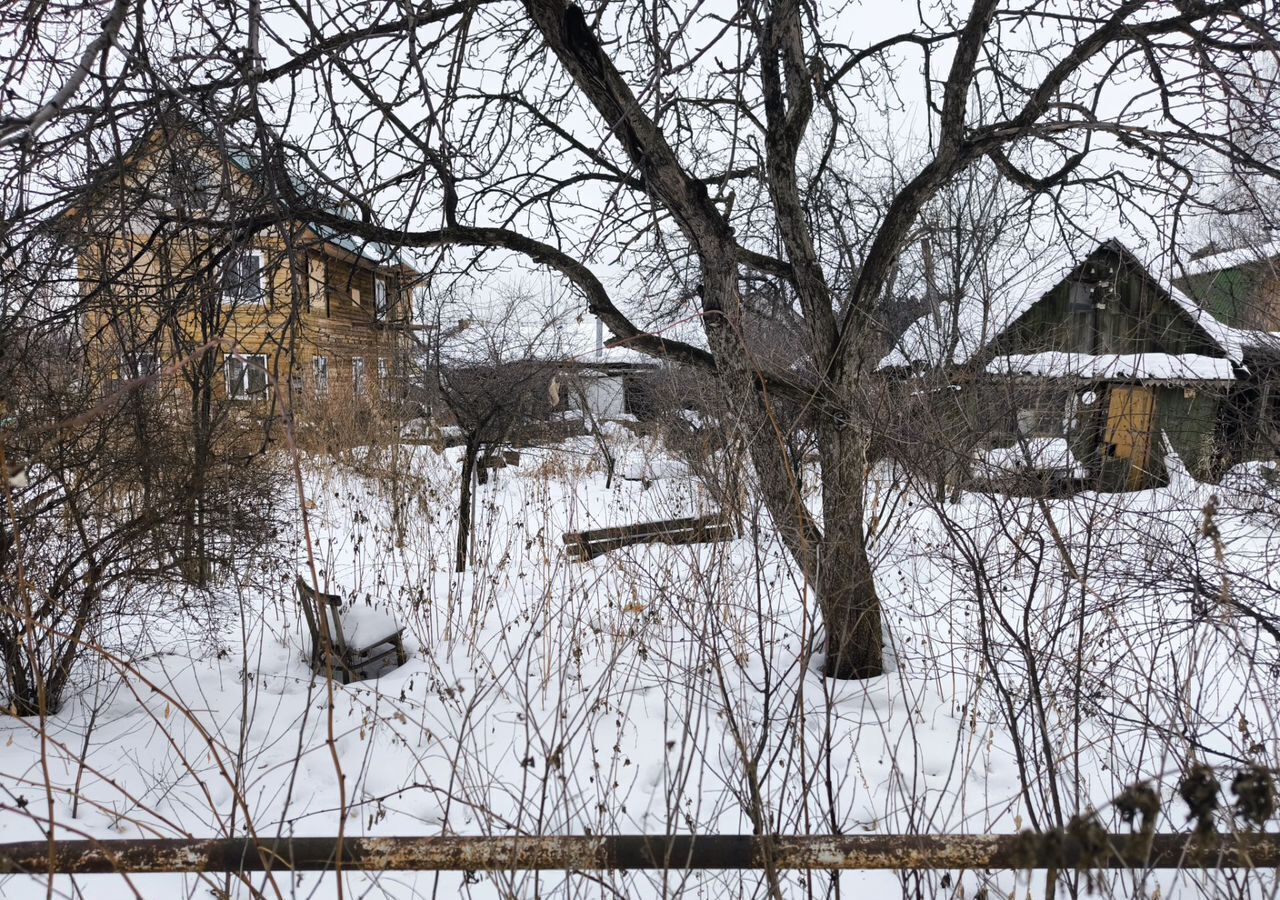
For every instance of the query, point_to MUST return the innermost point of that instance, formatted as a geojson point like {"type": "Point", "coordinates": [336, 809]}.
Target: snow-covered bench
{"type": "Point", "coordinates": [350, 641]}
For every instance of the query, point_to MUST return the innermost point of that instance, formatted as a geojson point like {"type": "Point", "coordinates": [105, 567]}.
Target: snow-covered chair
{"type": "Point", "coordinates": [350, 642]}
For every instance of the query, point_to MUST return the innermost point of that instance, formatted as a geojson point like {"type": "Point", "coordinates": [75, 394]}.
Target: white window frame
{"type": "Point", "coordinates": [384, 376]}
{"type": "Point", "coordinates": [357, 376]}
{"type": "Point", "coordinates": [380, 308]}
{"type": "Point", "coordinates": [192, 191]}
{"type": "Point", "coordinates": [320, 375]}
{"type": "Point", "coordinates": [229, 299]}
{"type": "Point", "coordinates": [249, 362]}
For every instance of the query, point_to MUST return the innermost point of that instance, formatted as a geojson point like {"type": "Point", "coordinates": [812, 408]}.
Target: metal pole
{"type": "Point", "coordinates": [638, 852]}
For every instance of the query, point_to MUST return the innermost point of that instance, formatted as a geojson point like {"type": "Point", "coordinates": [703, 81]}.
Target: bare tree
{"type": "Point", "coordinates": [494, 377]}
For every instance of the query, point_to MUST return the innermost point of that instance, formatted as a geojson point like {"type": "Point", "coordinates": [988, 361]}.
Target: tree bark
{"type": "Point", "coordinates": [846, 586]}
{"type": "Point", "coordinates": [469, 453]}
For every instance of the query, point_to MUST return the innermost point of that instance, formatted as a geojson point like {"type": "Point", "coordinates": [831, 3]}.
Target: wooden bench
{"type": "Point", "coordinates": [585, 545]}
{"type": "Point", "coordinates": [348, 644]}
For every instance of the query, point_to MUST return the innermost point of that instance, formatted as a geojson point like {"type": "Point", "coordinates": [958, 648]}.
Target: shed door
{"type": "Point", "coordinates": [1129, 422]}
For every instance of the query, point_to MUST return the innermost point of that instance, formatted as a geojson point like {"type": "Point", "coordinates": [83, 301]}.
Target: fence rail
{"type": "Point", "coordinates": [639, 852]}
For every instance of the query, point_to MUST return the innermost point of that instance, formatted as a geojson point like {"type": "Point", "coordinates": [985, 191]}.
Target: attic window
{"type": "Point", "coordinates": [191, 191]}
{"type": "Point", "coordinates": [315, 283]}
{"type": "Point", "coordinates": [1081, 314]}
{"type": "Point", "coordinates": [139, 364]}
{"type": "Point", "coordinates": [242, 278]}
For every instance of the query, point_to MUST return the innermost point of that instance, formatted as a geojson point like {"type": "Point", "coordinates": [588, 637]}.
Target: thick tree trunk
{"type": "Point", "coordinates": [834, 558]}
{"type": "Point", "coordinates": [845, 580]}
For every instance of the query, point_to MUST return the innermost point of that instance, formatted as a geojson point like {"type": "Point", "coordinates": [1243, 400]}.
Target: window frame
{"type": "Point", "coordinates": [229, 299]}
{"type": "Point", "coordinates": [320, 375]}
{"type": "Point", "coordinates": [246, 360]}
{"type": "Point", "coordinates": [381, 306]}
{"type": "Point", "coordinates": [191, 190]}
{"type": "Point", "coordinates": [139, 364]}
{"type": "Point", "coordinates": [317, 289]}
{"type": "Point", "coordinates": [357, 376]}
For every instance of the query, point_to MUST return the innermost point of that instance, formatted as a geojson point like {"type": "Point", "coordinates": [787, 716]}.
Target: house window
{"type": "Point", "coordinates": [355, 296]}
{"type": "Point", "coordinates": [384, 375]}
{"type": "Point", "coordinates": [380, 298]}
{"type": "Point", "coordinates": [247, 376]}
{"type": "Point", "coordinates": [357, 375]}
{"type": "Point", "coordinates": [242, 278]}
{"type": "Point", "coordinates": [320, 375]}
{"type": "Point", "coordinates": [191, 191]}
{"type": "Point", "coordinates": [139, 364]}
{"type": "Point", "coordinates": [1087, 317]}
{"type": "Point", "coordinates": [315, 284]}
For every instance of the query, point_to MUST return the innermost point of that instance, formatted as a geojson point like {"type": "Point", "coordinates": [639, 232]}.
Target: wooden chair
{"type": "Point", "coordinates": [348, 643]}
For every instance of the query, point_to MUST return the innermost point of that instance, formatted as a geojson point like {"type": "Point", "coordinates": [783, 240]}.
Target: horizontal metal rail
{"type": "Point", "coordinates": [639, 852]}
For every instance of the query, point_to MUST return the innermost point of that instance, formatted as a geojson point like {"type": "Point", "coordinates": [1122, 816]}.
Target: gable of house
{"type": "Point", "coordinates": [1094, 354]}
{"type": "Point", "coordinates": [1109, 318]}
{"type": "Point", "coordinates": [1101, 316]}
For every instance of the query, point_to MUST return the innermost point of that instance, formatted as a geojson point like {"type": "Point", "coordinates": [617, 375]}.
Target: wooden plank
{"type": "Point", "coordinates": [584, 545]}
{"type": "Point", "coordinates": [662, 526]}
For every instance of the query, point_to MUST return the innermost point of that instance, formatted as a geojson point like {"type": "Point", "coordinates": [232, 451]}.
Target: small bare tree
{"type": "Point", "coordinates": [495, 377]}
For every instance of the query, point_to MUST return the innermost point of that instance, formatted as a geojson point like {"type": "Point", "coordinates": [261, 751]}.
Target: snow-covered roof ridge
{"type": "Point", "coordinates": [1231, 259]}
{"type": "Point", "coordinates": [978, 320]}
{"type": "Point", "coordinates": [1229, 339]}
{"type": "Point", "coordinates": [1139, 366]}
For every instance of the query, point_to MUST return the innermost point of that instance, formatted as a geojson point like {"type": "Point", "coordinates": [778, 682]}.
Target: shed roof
{"type": "Point", "coordinates": [1231, 259]}
{"type": "Point", "coordinates": [1152, 368]}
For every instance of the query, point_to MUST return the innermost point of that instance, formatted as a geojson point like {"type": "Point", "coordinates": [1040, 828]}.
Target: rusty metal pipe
{"type": "Point", "coordinates": [635, 852]}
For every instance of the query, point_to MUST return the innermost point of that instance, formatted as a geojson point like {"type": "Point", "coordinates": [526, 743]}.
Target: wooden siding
{"type": "Point", "coordinates": [1244, 297]}
{"type": "Point", "coordinates": [165, 295]}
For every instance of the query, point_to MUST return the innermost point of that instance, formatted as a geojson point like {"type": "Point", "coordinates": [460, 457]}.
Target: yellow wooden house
{"type": "Point", "coordinates": [185, 261]}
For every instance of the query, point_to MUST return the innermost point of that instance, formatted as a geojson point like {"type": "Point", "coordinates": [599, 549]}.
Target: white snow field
{"type": "Point", "coordinates": [1043, 656]}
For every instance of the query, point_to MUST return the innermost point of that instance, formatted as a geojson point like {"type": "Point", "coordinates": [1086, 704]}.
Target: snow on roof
{"type": "Point", "coordinates": [955, 335]}
{"type": "Point", "coordinates": [1231, 340]}
{"type": "Point", "coordinates": [239, 147]}
{"type": "Point", "coordinates": [1034, 455]}
{"type": "Point", "coordinates": [1231, 259]}
{"type": "Point", "coordinates": [1116, 366]}
{"type": "Point", "coordinates": [507, 325]}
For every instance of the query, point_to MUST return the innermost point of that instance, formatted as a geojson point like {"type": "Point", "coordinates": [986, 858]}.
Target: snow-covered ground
{"type": "Point", "coordinates": [1043, 656]}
